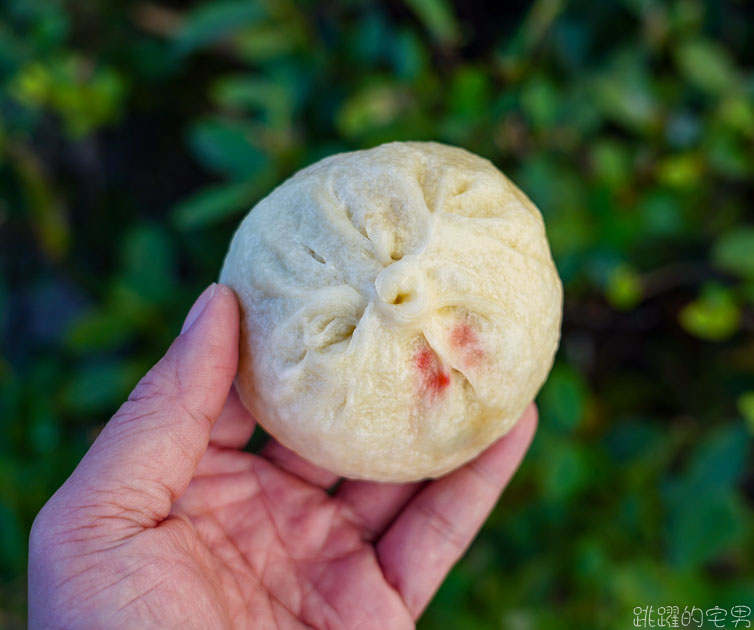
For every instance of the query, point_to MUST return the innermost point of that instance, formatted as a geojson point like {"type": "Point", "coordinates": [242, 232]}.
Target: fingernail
{"type": "Point", "coordinates": [198, 308]}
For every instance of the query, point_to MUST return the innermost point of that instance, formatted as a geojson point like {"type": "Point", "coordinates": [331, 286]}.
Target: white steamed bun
{"type": "Point", "coordinates": [400, 309]}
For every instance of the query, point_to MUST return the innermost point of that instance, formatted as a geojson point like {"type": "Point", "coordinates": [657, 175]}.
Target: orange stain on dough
{"type": "Point", "coordinates": [434, 379]}
{"type": "Point", "coordinates": [463, 337]}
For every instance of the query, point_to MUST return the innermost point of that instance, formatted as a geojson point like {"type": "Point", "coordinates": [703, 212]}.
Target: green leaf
{"type": "Point", "coordinates": [214, 204]}
{"type": "Point", "coordinates": [437, 17]}
{"type": "Point", "coordinates": [728, 155]}
{"type": "Point", "coordinates": [661, 213]}
{"type": "Point", "coordinates": [682, 171]}
{"type": "Point", "coordinates": [269, 97]}
{"type": "Point", "coordinates": [567, 470]}
{"type": "Point", "coordinates": [703, 526]}
{"type": "Point", "coordinates": [713, 316]}
{"type": "Point", "coordinates": [262, 42]}
{"type": "Point", "coordinates": [469, 93]}
{"type": "Point", "coordinates": [734, 252]}
{"type": "Point", "coordinates": [746, 408]}
{"type": "Point", "coordinates": [632, 440]}
{"type": "Point", "coordinates": [538, 22]}
{"type": "Point", "coordinates": [682, 130]}
{"type": "Point", "coordinates": [84, 95]}
{"type": "Point", "coordinates": [372, 107]}
{"type": "Point", "coordinates": [720, 460]}
{"type": "Point", "coordinates": [12, 539]}
{"type": "Point", "coordinates": [407, 55]}
{"type": "Point", "coordinates": [211, 22]}
{"type": "Point", "coordinates": [706, 64]}
{"type": "Point", "coordinates": [48, 213]}
{"type": "Point", "coordinates": [705, 514]}
{"type": "Point", "coordinates": [737, 112]}
{"type": "Point", "coordinates": [611, 162]}
{"type": "Point", "coordinates": [562, 400]}
{"type": "Point", "coordinates": [32, 85]}
{"type": "Point", "coordinates": [539, 99]}
{"type": "Point", "coordinates": [44, 427]}
{"type": "Point", "coordinates": [626, 94]}
{"type": "Point", "coordinates": [148, 262]}
{"type": "Point", "coordinates": [100, 387]}
{"type": "Point", "coordinates": [243, 91]}
{"type": "Point", "coordinates": [624, 287]}
{"type": "Point", "coordinates": [89, 104]}
{"type": "Point", "coordinates": [99, 330]}
{"type": "Point", "coordinates": [226, 147]}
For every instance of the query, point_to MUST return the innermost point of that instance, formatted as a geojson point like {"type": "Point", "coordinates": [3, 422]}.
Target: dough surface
{"type": "Point", "coordinates": [400, 309]}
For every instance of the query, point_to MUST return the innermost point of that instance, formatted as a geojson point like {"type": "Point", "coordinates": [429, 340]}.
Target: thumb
{"type": "Point", "coordinates": [144, 458]}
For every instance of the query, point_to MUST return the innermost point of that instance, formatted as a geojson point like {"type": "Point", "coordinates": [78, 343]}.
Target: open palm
{"type": "Point", "coordinates": [166, 523]}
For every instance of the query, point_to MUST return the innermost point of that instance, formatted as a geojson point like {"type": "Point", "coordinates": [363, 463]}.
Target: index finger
{"type": "Point", "coordinates": [437, 526]}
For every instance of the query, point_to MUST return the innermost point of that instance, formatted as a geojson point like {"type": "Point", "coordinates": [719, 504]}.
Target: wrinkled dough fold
{"type": "Point", "coordinates": [400, 309]}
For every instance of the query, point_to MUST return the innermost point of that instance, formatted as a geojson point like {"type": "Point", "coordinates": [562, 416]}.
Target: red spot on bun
{"type": "Point", "coordinates": [433, 378]}
{"type": "Point", "coordinates": [462, 335]}
{"type": "Point", "coordinates": [464, 339]}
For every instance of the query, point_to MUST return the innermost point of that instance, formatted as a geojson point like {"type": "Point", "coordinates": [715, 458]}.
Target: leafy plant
{"type": "Point", "coordinates": [134, 136]}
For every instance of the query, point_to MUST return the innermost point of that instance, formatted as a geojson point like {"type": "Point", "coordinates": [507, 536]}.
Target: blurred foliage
{"type": "Point", "coordinates": [134, 135]}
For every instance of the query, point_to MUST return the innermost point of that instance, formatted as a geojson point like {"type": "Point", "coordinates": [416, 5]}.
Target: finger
{"type": "Point", "coordinates": [372, 506]}
{"type": "Point", "coordinates": [146, 455]}
{"type": "Point", "coordinates": [286, 459]}
{"type": "Point", "coordinates": [235, 425]}
{"type": "Point", "coordinates": [437, 526]}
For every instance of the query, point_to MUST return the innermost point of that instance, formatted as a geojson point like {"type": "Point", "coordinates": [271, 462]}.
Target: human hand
{"type": "Point", "coordinates": [166, 523]}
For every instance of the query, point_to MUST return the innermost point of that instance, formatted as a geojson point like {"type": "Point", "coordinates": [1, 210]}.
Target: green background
{"type": "Point", "coordinates": [135, 134]}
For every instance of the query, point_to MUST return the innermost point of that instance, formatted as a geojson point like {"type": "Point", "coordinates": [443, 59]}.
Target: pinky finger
{"type": "Point", "coordinates": [439, 523]}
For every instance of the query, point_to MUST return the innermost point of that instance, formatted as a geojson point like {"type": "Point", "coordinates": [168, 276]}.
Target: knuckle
{"type": "Point", "coordinates": [443, 525]}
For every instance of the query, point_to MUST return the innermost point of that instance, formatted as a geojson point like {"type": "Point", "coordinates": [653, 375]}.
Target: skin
{"type": "Point", "coordinates": [167, 523]}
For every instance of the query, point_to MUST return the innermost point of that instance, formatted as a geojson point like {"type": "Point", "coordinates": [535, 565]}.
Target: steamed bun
{"type": "Point", "coordinates": [400, 309]}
